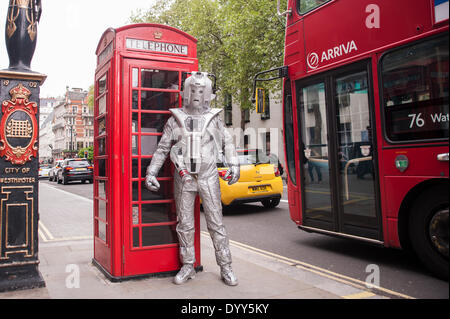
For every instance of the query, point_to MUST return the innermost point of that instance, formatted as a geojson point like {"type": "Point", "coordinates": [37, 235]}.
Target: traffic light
{"type": "Point", "coordinates": [260, 101]}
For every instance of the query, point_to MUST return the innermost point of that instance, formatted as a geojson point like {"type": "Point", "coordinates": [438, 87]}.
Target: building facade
{"type": "Point", "coordinates": [46, 140]}
{"type": "Point", "coordinates": [46, 107]}
{"type": "Point", "coordinates": [73, 124]}
{"type": "Point", "coordinates": [262, 131]}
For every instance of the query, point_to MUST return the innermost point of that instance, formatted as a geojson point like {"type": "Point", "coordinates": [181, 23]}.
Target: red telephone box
{"type": "Point", "coordinates": [139, 75]}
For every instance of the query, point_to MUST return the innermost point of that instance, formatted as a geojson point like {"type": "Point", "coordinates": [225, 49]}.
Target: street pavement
{"type": "Point", "coordinates": [66, 265]}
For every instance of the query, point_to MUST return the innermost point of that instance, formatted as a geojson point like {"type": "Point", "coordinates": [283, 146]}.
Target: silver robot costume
{"type": "Point", "coordinates": [195, 137]}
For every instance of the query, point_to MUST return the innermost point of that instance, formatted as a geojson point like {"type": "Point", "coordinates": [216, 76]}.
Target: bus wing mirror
{"type": "Point", "coordinates": [285, 13]}
{"type": "Point", "coordinates": [283, 72]}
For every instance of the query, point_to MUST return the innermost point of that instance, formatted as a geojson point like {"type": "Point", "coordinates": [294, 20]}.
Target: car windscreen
{"type": "Point", "coordinates": [78, 163]}
{"type": "Point", "coordinates": [253, 157]}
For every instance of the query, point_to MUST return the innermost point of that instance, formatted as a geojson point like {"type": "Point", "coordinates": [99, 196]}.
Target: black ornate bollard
{"type": "Point", "coordinates": [21, 32]}
{"type": "Point", "coordinates": [19, 156]}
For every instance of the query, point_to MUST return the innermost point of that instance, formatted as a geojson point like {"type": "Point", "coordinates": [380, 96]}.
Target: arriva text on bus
{"type": "Point", "coordinates": [330, 54]}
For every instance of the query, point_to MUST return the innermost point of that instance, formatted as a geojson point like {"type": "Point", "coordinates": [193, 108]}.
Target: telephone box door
{"type": "Point", "coordinates": [150, 89]}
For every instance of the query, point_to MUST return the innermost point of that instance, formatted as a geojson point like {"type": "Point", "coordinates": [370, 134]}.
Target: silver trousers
{"type": "Point", "coordinates": [208, 188]}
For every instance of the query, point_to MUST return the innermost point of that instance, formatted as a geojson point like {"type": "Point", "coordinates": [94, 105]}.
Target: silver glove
{"type": "Point", "coordinates": [152, 183]}
{"type": "Point", "coordinates": [235, 173]}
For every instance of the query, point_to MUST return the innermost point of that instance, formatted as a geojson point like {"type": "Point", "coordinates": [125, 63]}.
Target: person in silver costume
{"type": "Point", "coordinates": [195, 137]}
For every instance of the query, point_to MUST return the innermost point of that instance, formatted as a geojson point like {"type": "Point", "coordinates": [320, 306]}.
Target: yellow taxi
{"type": "Point", "coordinates": [260, 180]}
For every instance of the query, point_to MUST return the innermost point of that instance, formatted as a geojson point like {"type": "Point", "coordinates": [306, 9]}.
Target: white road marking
{"type": "Point", "coordinates": [315, 269]}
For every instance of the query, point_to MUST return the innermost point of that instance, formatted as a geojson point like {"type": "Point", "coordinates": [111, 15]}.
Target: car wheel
{"type": "Point", "coordinates": [58, 180]}
{"type": "Point", "coordinates": [270, 203]}
{"type": "Point", "coordinates": [225, 208]}
{"type": "Point", "coordinates": [64, 180]}
{"type": "Point", "coordinates": [429, 230]}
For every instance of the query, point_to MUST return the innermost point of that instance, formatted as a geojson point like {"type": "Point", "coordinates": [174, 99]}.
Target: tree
{"type": "Point", "coordinates": [91, 97]}
{"type": "Point", "coordinates": [236, 39]}
{"type": "Point", "coordinates": [90, 150]}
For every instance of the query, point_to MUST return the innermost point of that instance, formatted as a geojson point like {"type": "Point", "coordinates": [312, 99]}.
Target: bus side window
{"type": "Point", "coordinates": [289, 133]}
{"type": "Point", "coordinates": [415, 91]}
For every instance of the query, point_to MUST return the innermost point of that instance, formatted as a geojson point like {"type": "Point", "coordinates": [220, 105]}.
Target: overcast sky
{"type": "Point", "coordinates": [68, 34]}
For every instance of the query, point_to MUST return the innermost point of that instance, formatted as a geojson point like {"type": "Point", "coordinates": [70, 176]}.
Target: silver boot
{"type": "Point", "coordinates": [186, 272]}
{"type": "Point", "coordinates": [228, 276]}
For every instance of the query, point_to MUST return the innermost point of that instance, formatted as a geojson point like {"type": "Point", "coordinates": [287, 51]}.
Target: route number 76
{"type": "Point", "coordinates": [416, 120]}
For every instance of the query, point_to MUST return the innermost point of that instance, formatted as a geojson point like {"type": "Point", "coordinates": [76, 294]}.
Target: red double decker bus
{"type": "Point", "coordinates": [366, 122]}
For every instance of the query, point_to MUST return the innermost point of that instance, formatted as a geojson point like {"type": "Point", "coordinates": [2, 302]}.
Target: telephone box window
{"type": "Point", "coordinates": [149, 144]}
{"type": "Point", "coordinates": [102, 105]}
{"type": "Point", "coordinates": [166, 191]}
{"type": "Point", "coordinates": [160, 79]}
{"type": "Point", "coordinates": [102, 126]}
{"type": "Point", "coordinates": [136, 237]}
{"type": "Point", "coordinates": [101, 189]}
{"type": "Point", "coordinates": [158, 101]}
{"type": "Point", "coordinates": [134, 145]}
{"type": "Point", "coordinates": [135, 76]}
{"type": "Point", "coordinates": [134, 122]}
{"type": "Point", "coordinates": [135, 191]}
{"type": "Point", "coordinates": [135, 214]}
{"type": "Point", "coordinates": [158, 235]}
{"type": "Point", "coordinates": [153, 123]}
{"type": "Point", "coordinates": [135, 100]}
{"type": "Point", "coordinates": [102, 209]}
{"type": "Point", "coordinates": [102, 85]}
{"type": "Point", "coordinates": [157, 213]}
{"type": "Point", "coordinates": [165, 171]}
{"type": "Point", "coordinates": [102, 167]}
{"type": "Point", "coordinates": [102, 146]}
{"type": "Point", "coordinates": [102, 231]}
{"type": "Point", "coordinates": [135, 168]}
{"type": "Point", "coordinates": [145, 162]}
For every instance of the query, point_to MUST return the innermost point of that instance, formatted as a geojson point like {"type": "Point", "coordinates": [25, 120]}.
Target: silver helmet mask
{"type": "Point", "coordinates": [198, 93]}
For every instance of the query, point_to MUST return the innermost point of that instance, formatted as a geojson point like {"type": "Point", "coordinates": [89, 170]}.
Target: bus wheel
{"type": "Point", "coordinates": [429, 230]}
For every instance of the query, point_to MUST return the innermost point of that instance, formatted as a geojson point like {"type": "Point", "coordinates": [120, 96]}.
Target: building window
{"type": "Point", "coordinates": [266, 114]}
{"type": "Point", "coordinates": [246, 141]}
{"type": "Point", "coordinates": [75, 109]}
{"type": "Point", "coordinates": [80, 145]}
{"type": "Point", "coordinates": [228, 110]}
{"type": "Point", "coordinates": [266, 139]}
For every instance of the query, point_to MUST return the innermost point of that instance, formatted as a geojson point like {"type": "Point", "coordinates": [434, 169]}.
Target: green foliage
{"type": "Point", "coordinates": [236, 39]}
{"type": "Point", "coordinates": [90, 151]}
{"type": "Point", "coordinates": [91, 97]}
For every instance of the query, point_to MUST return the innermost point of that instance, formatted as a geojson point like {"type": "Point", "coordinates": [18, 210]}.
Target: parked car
{"type": "Point", "coordinates": [260, 180]}
{"type": "Point", "coordinates": [75, 169]}
{"type": "Point", "coordinates": [44, 171]}
{"type": "Point", "coordinates": [52, 175]}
